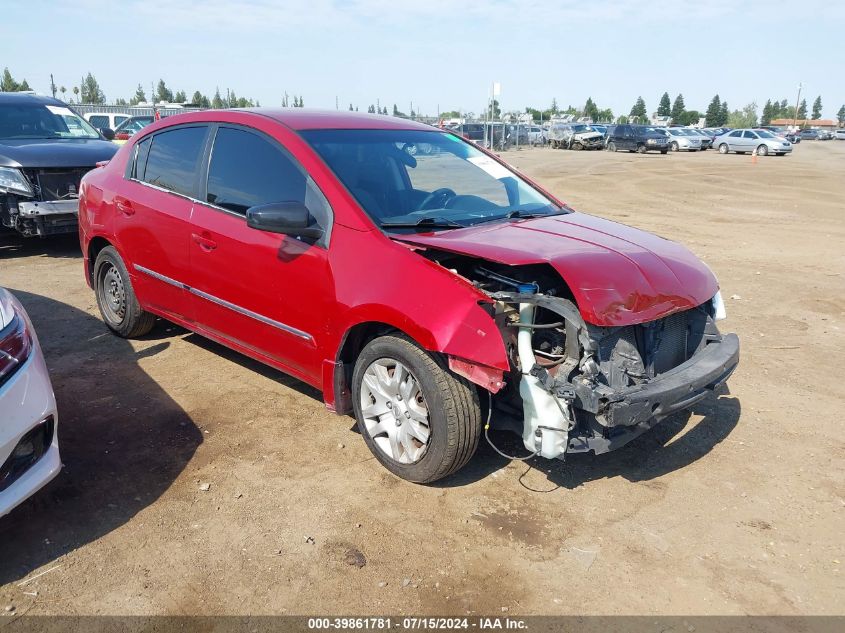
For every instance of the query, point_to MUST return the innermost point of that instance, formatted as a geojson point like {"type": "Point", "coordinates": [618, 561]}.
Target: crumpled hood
{"type": "Point", "coordinates": [68, 152]}
{"type": "Point", "coordinates": [619, 275]}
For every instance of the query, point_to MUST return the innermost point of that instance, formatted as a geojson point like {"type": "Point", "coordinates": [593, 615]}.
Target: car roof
{"type": "Point", "coordinates": [26, 97]}
{"type": "Point", "coordinates": [314, 119]}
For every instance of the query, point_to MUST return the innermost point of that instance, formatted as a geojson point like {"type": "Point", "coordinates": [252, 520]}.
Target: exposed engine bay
{"type": "Point", "coordinates": [578, 387]}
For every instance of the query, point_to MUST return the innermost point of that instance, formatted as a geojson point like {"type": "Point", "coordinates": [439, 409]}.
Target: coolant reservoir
{"type": "Point", "coordinates": [539, 406]}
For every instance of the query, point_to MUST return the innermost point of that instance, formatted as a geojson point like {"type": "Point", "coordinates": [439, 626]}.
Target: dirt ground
{"type": "Point", "coordinates": [735, 509]}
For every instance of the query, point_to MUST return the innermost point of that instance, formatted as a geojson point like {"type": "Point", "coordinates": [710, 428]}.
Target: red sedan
{"type": "Point", "coordinates": [430, 294]}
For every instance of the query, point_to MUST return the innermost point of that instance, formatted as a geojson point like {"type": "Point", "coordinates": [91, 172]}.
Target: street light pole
{"type": "Point", "coordinates": [795, 114]}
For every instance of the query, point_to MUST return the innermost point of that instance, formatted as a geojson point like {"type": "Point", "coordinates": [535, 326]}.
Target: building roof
{"type": "Point", "coordinates": [805, 122]}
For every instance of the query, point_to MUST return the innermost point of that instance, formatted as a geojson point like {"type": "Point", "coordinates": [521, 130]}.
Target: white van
{"type": "Point", "coordinates": [102, 120]}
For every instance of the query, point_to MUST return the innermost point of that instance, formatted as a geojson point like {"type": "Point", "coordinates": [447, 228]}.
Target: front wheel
{"type": "Point", "coordinates": [763, 150]}
{"type": "Point", "coordinates": [611, 147]}
{"type": "Point", "coordinates": [674, 146]}
{"type": "Point", "coordinates": [664, 151]}
{"type": "Point", "coordinates": [420, 421]}
{"type": "Point", "coordinates": [642, 149]}
{"type": "Point", "coordinates": [723, 148]}
{"type": "Point", "coordinates": [116, 298]}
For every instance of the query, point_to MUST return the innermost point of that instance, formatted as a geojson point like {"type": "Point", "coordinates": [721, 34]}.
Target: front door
{"type": "Point", "coordinates": [266, 293]}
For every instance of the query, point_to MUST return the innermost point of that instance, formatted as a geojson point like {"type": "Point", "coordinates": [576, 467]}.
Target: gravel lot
{"type": "Point", "coordinates": [736, 508]}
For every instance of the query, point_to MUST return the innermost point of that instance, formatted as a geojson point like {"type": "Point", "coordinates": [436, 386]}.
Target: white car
{"type": "Point", "coordinates": [29, 447]}
{"type": "Point", "coordinates": [839, 134]}
{"type": "Point", "coordinates": [536, 135]}
{"type": "Point", "coordinates": [744, 141]}
{"type": "Point", "coordinates": [109, 120]}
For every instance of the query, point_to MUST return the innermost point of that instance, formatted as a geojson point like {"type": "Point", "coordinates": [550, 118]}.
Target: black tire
{"type": "Point", "coordinates": [452, 402]}
{"type": "Point", "coordinates": [116, 298]}
{"type": "Point", "coordinates": [762, 150]}
{"type": "Point", "coordinates": [664, 151]}
{"type": "Point", "coordinates": [642, 149]}
{"type": "Point", "coordinates": [723, 148]}
{"type": "Point", "coordinates": [674, 146]}
{"type": "Point", "coordinates": [577, 146]}
{"type": "Point", "coordinates": [611, 147]}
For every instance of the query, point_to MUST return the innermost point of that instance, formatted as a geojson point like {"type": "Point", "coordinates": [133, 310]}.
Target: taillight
{"type": "Point", "coordinates": [121, 136]}
{"type": "Point", "coordinates": [15, 345]}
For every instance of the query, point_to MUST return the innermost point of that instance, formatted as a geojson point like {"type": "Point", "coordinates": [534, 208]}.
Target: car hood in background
{"type": "Point", "coordinates": [618, 274]}
{"type": "Point", "coordinates": [67, 152]}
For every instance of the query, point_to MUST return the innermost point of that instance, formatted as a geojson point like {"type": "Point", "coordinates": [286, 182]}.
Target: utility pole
{"type": "Point", "coordinates": [795, 114]}
{"type": "Point", "coordinates": [52, 86]}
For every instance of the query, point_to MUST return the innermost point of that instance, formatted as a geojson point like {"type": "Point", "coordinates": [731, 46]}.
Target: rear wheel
{"type": "Point", "coordinates": [763, 150]}
{"type": "Point", "coordinates": [723, 148]}
{"type": "Point", "coordinates": [611, 147]}
{"type": "Point", "coordinates": [420, 421]}
{"type": "Point", "coordinates": [116, 298]}
{"type": "Point", "coordinates": [664, 151]}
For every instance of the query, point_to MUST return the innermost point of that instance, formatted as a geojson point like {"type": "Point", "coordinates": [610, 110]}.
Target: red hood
{"type": "Point", "coordinates": [619, 275]}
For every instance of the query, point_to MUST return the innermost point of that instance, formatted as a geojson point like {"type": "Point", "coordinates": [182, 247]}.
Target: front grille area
{"type": "Point", "coordinates": [632, 354]}
{"type": "Point", "coordinates": [57, 184]}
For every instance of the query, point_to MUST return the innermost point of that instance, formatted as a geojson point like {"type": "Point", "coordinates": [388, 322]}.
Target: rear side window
{"type": "Point", "coordinates": [248, 170]}
{"type": "Point", "coordinates": [99, 121]}
{"type": "Point", "coordinates": [736, 134]}
{"type": "Point", "coordinates": [173, 159]}
{"type": "Point", "coordinates": [139, 160]}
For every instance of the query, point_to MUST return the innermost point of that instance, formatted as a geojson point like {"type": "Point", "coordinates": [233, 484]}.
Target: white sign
{"type": "Point", "coordinates": [497, 88]}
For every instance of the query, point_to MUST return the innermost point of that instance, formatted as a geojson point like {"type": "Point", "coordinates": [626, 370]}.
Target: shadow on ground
{"type": "Point", "coordinates": [123, 440]}
{"type": "Point", "coordinates": [662, 450]}
{"type": "Point", "coordinates": [14, 245]}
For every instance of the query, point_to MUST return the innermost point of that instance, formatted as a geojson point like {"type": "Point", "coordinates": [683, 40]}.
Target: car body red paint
{"type": "Point", "coordinates": [618, 275]}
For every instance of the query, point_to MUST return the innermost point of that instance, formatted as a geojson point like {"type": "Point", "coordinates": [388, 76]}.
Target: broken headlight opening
{"type": "Point", "coordinates": [577, 387]}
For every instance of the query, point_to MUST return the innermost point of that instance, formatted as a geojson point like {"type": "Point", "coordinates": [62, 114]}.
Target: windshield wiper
{"type": "Point", "coordinates": [434, 223]}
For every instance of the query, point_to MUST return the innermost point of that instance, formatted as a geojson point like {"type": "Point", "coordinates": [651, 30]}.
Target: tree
{"type": "Point", "coordinates": [840, 116]}
{"type": "Point", "coordinates": [138, 97]}
{"type": "Point", "coordinates": [553, 108]}
{"type": "Point", "coordinates": [639, 109]}
{"type": "Point", "coordinates": [723, 113]}
{"type": "Point", "coordinates": [371, 109]}
{"type": "Point", "coordinates": [63, 90]}
{"type": "Point", "coordinates": [712, 114]}
{"type": "Point", "coordinates": [689, 117]}
{"type": "Point", "coordinates": [350, 107]}
{"type": "Point", "coordinates": [591, 109]}
{"type": "Point", "coordinates": [76, 93]}
{"type": "Point", "coordinates": [747, 117]}
{"type": "Point", "coordinates": [163, 93]}
{"type": "Point", "coordinates": [121, 102]}
{"type": "Point", "coordinates": [91, 92]}
{"type": "Point", "coordinates": [664, 109]}
{"type": "Point", "coordinates": [217, 100]}
{"type": "Point", "coordinates": [302, 104]}
{"type": "Point", "coordinates": [24, 86]}
{"type": "Point", "coordinates": [678, 108]}
{"type": "Point", "coordinates": [817, 108]}
{"type": "Point", "coordinates": [766, 118]}
{"type": "Point", "coordinates": [8, 84]}
{"type": "Point", "coordinates": [605, 115]}
{"type": "Point", "coordinates": [197, 98]}
{"type": "Point", "coordinates": [802, 110]}
{"type": "Point", "coordinates": [180, 97]}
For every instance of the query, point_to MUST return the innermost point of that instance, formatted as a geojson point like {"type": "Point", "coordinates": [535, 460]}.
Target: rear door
{"type": "Point", "coordinates": [266, 293]}
{"type": "Point", "coordinates": [735, 140]}
{"type": "Point", "coordinates": [153, 215]}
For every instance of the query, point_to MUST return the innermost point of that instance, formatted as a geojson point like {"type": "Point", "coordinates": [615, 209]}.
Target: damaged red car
{"type": "Point", "coordinates": [418, 281]}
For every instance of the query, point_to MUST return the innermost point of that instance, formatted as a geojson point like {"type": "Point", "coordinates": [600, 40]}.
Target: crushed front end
{"type": "Point", "coordinates": [578, 387]}
{"type": "Point", "coordinates": [41, 201]}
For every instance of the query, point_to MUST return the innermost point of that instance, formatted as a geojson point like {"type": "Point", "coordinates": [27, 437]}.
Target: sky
{"type": "Point", "coordinates": [435, 54]}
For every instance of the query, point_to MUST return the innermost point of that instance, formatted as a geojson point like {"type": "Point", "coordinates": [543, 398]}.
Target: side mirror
{"type": "Point", "coordinates": [108, 133]}
{"type": "Point", "coordinates": [290, 218]}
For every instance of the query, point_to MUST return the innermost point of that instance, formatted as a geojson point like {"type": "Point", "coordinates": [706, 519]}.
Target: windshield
{"type": "Point", "coordinates": [21, 121]}
{"type": "Point", "coordinates": [578, 129]}
{"type": "Point", "coordinates": [406, 179]}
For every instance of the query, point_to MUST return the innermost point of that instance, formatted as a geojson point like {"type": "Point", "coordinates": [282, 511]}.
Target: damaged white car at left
{"type": "Point", "coordinates": [29, 447]}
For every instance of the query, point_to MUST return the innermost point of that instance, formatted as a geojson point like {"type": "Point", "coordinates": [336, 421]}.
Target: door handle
{"type": "Point", "coordinates": [124, 206]}
{"type": "Point", "coordinates": [205, 243]}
